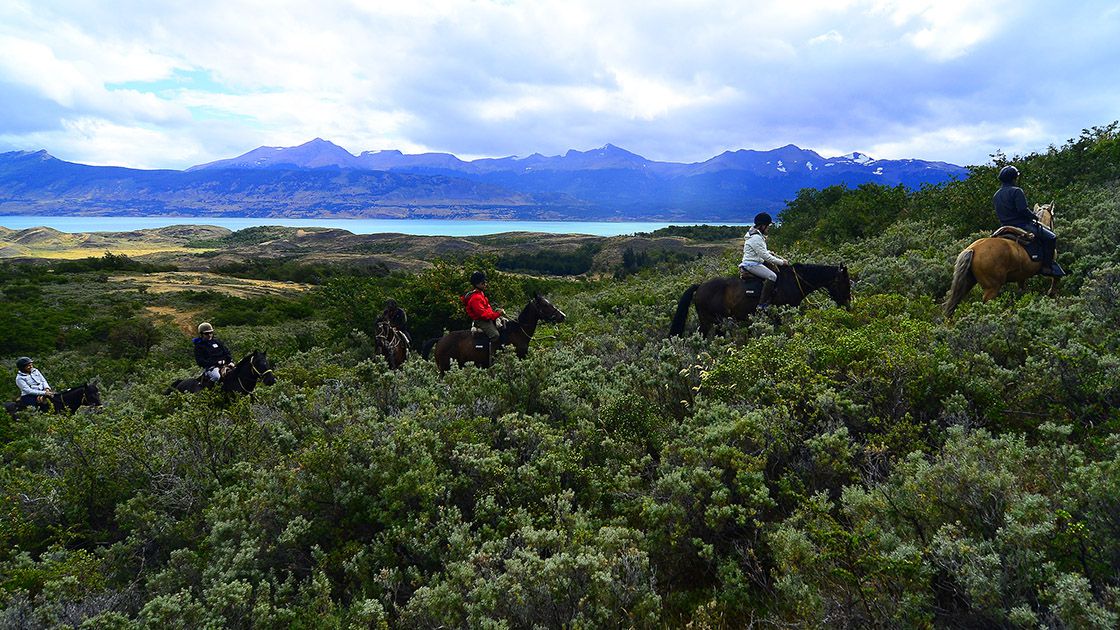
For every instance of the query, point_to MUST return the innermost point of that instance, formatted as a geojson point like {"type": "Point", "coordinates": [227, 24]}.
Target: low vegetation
{"type": "Point", "coordinates": [814, 467]}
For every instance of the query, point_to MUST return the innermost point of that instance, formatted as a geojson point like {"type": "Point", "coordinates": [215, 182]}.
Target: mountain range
{"type": "Point", "coordinates": [320, 179]}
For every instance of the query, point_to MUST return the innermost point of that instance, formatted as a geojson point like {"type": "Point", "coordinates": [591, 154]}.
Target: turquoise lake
{"type": "Point", "coordinates": [417, 227]}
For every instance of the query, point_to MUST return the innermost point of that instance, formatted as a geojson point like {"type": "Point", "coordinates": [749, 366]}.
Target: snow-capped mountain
{"type": "Point", "coordinates": [320, 178]}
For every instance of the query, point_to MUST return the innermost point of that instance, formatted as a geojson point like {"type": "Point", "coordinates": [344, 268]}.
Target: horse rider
{"type": "Point", "coordinates": [478, 309]}
{"type": "Point", "coordinates": [755, 256]}
{"type": "Point", "coordinates": [395, 316]}
{"type": "Point", "coordinates": [1011, 208]}
{"type": "Point", "coordinates": [210, 353]}
{"type": "Point", "coordinates": [33, 386]}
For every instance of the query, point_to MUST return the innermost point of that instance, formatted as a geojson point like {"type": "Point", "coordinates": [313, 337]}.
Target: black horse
{"type": "Point", "coordinates": [465, 345]}
{"type": "Point", "coordinates": [723, 297]}
{"type": "Point", "coordinates": [67, 400]}
{"type": "Point", "coordinates": [241, 379]}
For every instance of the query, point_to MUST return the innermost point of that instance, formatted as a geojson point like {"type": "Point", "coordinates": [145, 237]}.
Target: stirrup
{"type": "Point", "coordinates": [1054, 271]}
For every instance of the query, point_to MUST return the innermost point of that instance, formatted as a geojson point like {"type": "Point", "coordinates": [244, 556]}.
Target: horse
{"type": "Point", "coordinates": [67, 400]}
{"type": "Point", "coordinates": [241, 379]}
{"type": "Point", "coordinates": [722, 297]}
{"type": "Point", "coordinates": [463, 346]}
{"type": "Point", "coordinates": [391, 343]}
{"type": "Point", "coordinates": [992, 262]}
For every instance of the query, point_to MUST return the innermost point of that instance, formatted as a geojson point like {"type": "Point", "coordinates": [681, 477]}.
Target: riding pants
{"type": "Point", "coordinates": [214, 373]}
{"type": "Point", "coordinates": [759, 271]}
{"type": "Point", "coordinates": [488, 327]}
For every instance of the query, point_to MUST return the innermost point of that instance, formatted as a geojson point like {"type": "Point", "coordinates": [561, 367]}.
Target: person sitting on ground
{"type": "Point", "coordinates": [1011, 209]}
{"type": "Point", "coordinates": [33, 386]}
{"type": "Point", "coordinates": [755, 256]}
{"type": "Point", "coordinates": [210, 353]}
{"type": "Point", "coordinates": [478, 308]}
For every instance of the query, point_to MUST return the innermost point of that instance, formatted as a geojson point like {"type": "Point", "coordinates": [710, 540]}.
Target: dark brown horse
{"type": "Point", "coordinates": [241, 379]}
{"type": "Point", "coordinates": [391, 343]}
{"type": "Point", "coordinates": [67, 400]}
{"type": "Point", "coordinates": [723, 297]}
{"type": "Point", "coordinates": [993, 262]}
{"type": "Point", "coordinates": [465, 345]}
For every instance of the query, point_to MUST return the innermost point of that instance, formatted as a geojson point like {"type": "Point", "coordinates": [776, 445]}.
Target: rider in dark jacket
{"type": "Point", "coordinates": [210, 353]}
{"type": "Point", "coordinates": [1011, 207]}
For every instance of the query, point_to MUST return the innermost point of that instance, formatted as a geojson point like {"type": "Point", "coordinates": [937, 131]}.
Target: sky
{"type": "Point", "coordinates": [150, 84]}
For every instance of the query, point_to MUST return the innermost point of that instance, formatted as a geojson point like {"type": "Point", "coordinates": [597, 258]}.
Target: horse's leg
{"type": "Point", "coordinates": [991, 291]}
{"type": "Point", "coordinates": [1053, 292]}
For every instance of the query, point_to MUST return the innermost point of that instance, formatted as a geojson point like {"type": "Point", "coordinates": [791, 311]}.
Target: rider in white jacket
{"type": "Point", "coordinates": [756, 254]}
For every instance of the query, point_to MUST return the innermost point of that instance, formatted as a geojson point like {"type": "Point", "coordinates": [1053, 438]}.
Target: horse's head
{"type": "Point", "coordinates": [262, 368]}
{"type": "Point", "coordinates": [548, 312]}
{"type": "Point", "coordinates": [92, 395]}
{"type": "Point", "coordinates": [1045, 214]}
{"type": "Point", "coordinates": [840, 287]}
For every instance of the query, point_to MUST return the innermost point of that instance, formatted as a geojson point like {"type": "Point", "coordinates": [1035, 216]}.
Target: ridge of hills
{"type": "Point", "coordinates": [319, 179]}
{"type": "Point", "coordinates": [202, 248]}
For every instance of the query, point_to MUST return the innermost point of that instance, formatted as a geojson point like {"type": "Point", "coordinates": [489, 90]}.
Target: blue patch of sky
{"type": "Point", "coordinates": [198, 80]}
{"type": "Point", "coordinates": [205, 112]}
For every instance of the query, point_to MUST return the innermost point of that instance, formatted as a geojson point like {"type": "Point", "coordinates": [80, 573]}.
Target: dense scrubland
{"type": "Point", "coordinates": [815, 467]}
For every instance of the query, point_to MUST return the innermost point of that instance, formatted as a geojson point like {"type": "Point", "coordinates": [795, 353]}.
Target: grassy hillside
{"type": "Point", "coordinates": [815, 467]}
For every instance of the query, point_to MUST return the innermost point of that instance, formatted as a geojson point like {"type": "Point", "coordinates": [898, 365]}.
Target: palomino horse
{"type": "Point", "coordinates": [391, 343]}
{"type": "Point", "coordinates": [67, 400]}
{"type": "Point", "coordinates": [723, 297]}
{"type": "Point", "coordinates": [241, 379]}
{"type": "Point", "coordinates": [461, 345]}
{"type": "Point", "coordinates": [993, 262]}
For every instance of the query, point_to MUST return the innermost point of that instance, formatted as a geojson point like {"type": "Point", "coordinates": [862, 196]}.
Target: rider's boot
{"type": "Point", "coordinates": [1050, 267]}
{"type": "Point", "coordinates": [764, 297]}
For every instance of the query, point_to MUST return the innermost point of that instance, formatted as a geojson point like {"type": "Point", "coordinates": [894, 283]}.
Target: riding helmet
{"type": "Point", "coordinates": [1008, 174]}
{"type": "Point", "coordinates": [205, 327]}
{"type": "Point", "coordinates": [762, 219]}
{"type": "Point", "coordinates": [477, 278]}
{"type": "Point", "coordinates": [23, 362]}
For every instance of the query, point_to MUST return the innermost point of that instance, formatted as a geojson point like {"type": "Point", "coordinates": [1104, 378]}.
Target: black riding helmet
{"type": "Point", "coordinates": [477, 278]}
{"type": "Point", "coordinates": [23, 362]}
{"type": "Point", "coordinates": [762, 219]}
{"type": "Point", "coordinates": [1008, 174]}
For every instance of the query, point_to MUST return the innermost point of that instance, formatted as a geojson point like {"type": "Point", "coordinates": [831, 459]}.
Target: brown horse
{"type": "Point", "coordinates": [465, 345]}
{"type": "Point", "coordinates": [391, 343]}
{"type": "Point", "coordinates": [993, 262]}
{"type": "Point", "coordinates": [723, 297]}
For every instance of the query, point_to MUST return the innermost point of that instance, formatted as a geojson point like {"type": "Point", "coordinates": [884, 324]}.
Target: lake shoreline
{"type": "Point", "coordinates": [409, 227]}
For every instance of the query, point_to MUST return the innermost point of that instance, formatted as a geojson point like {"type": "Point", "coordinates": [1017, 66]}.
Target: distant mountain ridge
{"type": "Point", "coordinates": [322, 179]}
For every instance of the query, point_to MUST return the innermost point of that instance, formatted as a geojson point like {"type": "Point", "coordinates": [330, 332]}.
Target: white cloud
{"type": "Point", "coordinates": [677, 79]}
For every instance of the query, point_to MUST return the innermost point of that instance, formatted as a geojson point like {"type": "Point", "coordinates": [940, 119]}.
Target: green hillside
{"type": "Point", "coordinates": [815, 467]}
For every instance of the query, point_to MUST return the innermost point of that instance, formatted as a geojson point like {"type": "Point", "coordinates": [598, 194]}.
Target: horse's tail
{"type": "Point", "coordinates": [963, 281]}
{"type": "Point", "coordinates": [677, 327]}
{"type": "Point", "coordinates": [427, 348]}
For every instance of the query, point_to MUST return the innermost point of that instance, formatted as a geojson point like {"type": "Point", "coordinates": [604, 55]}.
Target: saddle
{"type": "Point", "coordinates": [752, 286]}
{"type": "Point", "coordinates": [1010, 232]}
{"type": "Point", "coordinates": [1023, 237]}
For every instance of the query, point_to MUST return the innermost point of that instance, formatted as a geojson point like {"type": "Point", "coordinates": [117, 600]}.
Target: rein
{"type": "Point", "coordinates": [797, 277]}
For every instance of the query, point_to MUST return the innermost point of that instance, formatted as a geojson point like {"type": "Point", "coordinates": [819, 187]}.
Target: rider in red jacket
{"type": "Point", "coordinates": [479, 310]}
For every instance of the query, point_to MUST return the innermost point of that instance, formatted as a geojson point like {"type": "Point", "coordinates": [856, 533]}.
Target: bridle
{"type": "Point", "coordinates": [257, 374]}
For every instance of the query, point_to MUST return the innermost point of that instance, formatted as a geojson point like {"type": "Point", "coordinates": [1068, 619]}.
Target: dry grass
{"type": "Point", "coordinates": [183, 320]}
{"type": "Point", "coordinates": [90, 252]}
{"type": "Point", "coordinates": [173, 281]}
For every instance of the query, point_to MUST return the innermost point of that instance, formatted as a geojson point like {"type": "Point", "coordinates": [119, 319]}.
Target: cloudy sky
{"type": "Point", "coordinates": [171, 84]}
